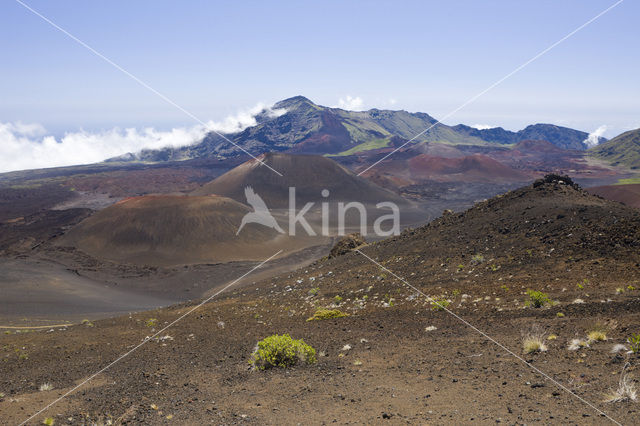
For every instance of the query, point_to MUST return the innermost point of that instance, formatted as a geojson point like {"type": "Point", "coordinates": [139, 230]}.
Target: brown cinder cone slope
{"type": "Point", "coordinates": [172, 230]}
{"type": "Point", "coordinates": [309, 174]}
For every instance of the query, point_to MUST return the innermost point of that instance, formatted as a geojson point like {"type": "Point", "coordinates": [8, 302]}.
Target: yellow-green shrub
{"type": "Point", "coordinates": [323, 314]}
{"type": "Point", "coordinates": [281, 351]}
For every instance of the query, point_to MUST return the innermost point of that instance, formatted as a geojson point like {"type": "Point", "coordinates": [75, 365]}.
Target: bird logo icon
{"type": "Point", "coordinates": [260, 213]}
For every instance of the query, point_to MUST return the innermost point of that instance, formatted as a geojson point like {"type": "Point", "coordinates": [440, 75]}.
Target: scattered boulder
{"type": "Point", "coordinates": [557, 179]}
{"type": "Point", "coordinates": [347, 244]}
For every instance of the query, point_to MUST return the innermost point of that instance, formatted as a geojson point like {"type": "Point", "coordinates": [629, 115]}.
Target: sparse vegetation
{"type": "Point", "coordinates": [626, 390]}
{"type": "Point", "coordinates": [388, 300]}
{"type": "Point", "coordinates": [583, 284]}
{"type": "Point", "coordinates": [337, 299]}
{"type": "Point", "coordinates": [282, 352]}
{"type": "Point", "coordinates": [537, 299]}
{"type": "Point", "coordinates": [151, 322]}
{"type": "Point", "coordinates": [598, 333]}
{"type": "Point", "coordinates": [477, 259]}
{"type": "Point", "coordinates": [324, 314]}
{"type": "Point", "coordinates": [533, 341]}
{"type": "Point", "coordinates": [439, 304]}
{"type": "Point", "coordinates": [49, 421]}
{"type": "Point", "coordinates": [634, 343]}
{"type": "Point", "coordinates": [45, 387]}
{"type": "Point", "coordinates": [87, 323]}
{"type": "Point", "coordinates": [314, 291]}
{"type": "Point", "coordinates": [576, 344]}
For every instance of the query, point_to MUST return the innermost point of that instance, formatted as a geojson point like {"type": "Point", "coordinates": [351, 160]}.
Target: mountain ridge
{"type": "Point", "coordinates": [309, 128]}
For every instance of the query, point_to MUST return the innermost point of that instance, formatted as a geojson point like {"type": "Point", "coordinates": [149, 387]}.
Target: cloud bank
{"type": "Point", "coordinates": [350, 103]}
{"type": "Point", "coordinates": [28, 146]}
{"type": "Point", "coordinates": [482, 126]}
{"type": "Point", "coordinates": [594, 137]}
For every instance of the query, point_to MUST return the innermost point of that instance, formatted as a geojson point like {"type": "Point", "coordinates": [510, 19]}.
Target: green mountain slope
{"type": "Point", "coordinates": [624, 149]}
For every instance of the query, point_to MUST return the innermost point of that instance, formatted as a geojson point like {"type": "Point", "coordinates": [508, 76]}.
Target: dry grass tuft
{"type": "Point", "coordinates": [598, 332]}
{"type": "Point", "coordinates": [576, 344]}
{"type": "Point", "coordinates": [533, 341]}
{"type": "Point", "coordinates": [626, 390]}
{"type": "Point", "coordinates": [597, 336]}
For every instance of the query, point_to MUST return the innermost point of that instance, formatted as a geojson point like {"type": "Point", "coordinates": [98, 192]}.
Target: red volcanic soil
{"type": "Point", "coordinates": [309, 174]}
{"type": "Point", "coordinates": [539, 157]}
{"type": "Point", "coordinates": [437, 150]}
{"type": "Point", "coordinates": [627, 194]}
{"type": "Point", "coordinates": [124, 183]}
{"type": "Point", "coordinates": [172, 230]}
{"type": "Point", "coordinates": [472, 168]}
{"type": "Point", "coordinates": [537, 146]}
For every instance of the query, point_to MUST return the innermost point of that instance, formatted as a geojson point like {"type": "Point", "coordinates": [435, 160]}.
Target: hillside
{"type": "Point", "coordinates": [471, 168]}
{"type": "Point", "coordinates": [309, 174]}
{"type": "Point", "coordinates": [372, 366]}
{"type": "Point", "coordinates": [172, 230]}
{"type": "Point", "coordinates": [623, 150]}
{"type": "Point", "coordinates": [437, 165]}
{"type": "Point", "coordinates": [628, 194]}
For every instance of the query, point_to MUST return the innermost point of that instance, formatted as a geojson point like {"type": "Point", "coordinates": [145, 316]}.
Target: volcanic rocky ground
{"type": "Point", "coordinates": [397, 358]}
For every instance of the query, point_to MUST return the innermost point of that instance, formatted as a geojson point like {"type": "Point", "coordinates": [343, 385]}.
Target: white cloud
{"type": "Point", "coordinates": [28, 146]}
{"type": "Point", "coordinates": [482, 126]}
{"type": "Point", "coordinates": [244, 119]}
{"type": "Point", "coordinates": [350, 103]}
{"type": "Point", "coordinates": [594, 137]}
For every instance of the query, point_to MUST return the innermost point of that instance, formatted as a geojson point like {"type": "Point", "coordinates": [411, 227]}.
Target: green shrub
{"type": "Point", "coordinates": [281, 351]}
{"type": "Point", "coordinates": [439, 304]}
{"type": "Point", "coordinates": [537, 299]}
{"type": "Point", "coordinates": [388, 300]}
{"type": "Point", "coordinates": [323, 314]}
{"type": "Point", "coordinates": [634, 343]}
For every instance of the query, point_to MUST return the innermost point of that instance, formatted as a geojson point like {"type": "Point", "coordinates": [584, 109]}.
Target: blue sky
{"type": "Point", "coordinates": [218, 58]}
